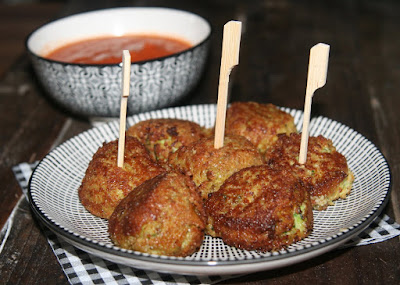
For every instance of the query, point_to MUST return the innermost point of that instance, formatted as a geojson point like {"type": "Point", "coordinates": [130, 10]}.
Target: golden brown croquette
{"type": "Point", "coordinates": [259, 208]}
{"type": "Point", "coordinates": [259, 123]}
{"type": "Point", "coordinates": [209, 167]}
{"type": "Point", "coordinates": [164, 136]}
{"type": "Point", "coordinates": [326, 170]}
{"type": "Point", "coordinates": [105, 184]}
{"type": "Point", "coordinates": [163, 216]}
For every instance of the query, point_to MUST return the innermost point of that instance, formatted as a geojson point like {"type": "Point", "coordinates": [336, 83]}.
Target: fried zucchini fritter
{"type": "Point", "coordinates": [259, 208]}
{"type": "Point", "coordinates": [259, 123]}
{"type": "Point", "coordinates": [209, 167]}
{"type": "Point", "coordinates": [105, 184]}
{"type": "Point", "coordinates": [326, 170]}
{"type": "Point", "coordinates": [164, 136]}
{"type": "Point", "coordinates": [163, 216]}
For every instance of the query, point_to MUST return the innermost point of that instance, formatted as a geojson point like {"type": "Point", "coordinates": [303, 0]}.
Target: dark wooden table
{"type": "Point", "coordinates": [362, 91]}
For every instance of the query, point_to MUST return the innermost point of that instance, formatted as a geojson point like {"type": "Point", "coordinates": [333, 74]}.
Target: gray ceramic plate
{"type": "Point", "coordinates": [54, 198]}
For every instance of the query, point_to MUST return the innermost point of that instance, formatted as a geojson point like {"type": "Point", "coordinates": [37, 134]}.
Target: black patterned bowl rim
{"type": "Point", "coordinates": [248, 264]}
{"type": "Point", "coordinates": [142, 62]}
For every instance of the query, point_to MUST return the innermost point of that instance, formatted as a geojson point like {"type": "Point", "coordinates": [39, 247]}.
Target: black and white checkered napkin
{"type": "Point", "coordinates": [82, 268]}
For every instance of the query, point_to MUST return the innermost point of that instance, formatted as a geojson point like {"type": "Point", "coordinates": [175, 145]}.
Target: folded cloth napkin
{"type": "Point", "coordinates": [81, 267]}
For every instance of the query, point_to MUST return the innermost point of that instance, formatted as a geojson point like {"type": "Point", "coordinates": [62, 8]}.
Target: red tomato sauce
{"type": "Point", "coordinates": [108, 50]}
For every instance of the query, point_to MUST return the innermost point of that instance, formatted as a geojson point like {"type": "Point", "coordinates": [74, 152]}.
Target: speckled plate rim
{"type": "Point", "coordinates": [213, 267]}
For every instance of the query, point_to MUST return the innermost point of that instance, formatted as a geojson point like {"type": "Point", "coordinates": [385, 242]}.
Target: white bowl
{"type": "Point", "coordinates": [94, 90]}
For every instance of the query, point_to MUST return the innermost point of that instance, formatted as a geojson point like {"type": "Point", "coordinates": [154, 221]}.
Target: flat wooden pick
{"type": "Point", "coordinates": [229, 59]}
{"type": "Point", "coordinates": [317, 73]}
{"type": "Point", "coordinates": [126, 71]}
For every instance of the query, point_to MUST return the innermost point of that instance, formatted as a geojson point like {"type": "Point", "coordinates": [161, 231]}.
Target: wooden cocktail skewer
{"type": "Point", "coordinates": [126, 71]}
{"type": "Point", "coordinates": [317, 72]}
{"type": "Point", "coordinates": [229, 59]}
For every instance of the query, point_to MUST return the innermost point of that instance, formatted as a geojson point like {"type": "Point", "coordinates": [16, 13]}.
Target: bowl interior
{"type": "Point", "coordinates": [117, 22]}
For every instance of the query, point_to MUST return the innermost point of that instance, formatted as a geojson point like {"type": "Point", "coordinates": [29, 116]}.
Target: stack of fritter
{"type": "Point", "coordinates": [252, 192]}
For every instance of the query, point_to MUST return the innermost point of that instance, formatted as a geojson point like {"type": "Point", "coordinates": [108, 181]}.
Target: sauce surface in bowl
{"type": "Point", "coordinates": [108, 50]}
